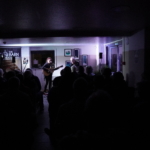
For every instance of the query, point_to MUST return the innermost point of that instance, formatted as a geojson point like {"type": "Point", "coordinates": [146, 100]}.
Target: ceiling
{"type": "Point", "coordinates": [68, 18]}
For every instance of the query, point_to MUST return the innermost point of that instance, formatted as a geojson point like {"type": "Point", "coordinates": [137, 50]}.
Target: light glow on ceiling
{"type": "Point", "coordinates": [113, 42]}
{"type": "Point", "coordinates": [48, 44]}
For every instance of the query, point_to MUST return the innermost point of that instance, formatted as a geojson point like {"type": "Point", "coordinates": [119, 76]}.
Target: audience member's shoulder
{"type": "Point", "coordinates": [35, 77]}
{"type": "Point", "coordinates": [66, 106]}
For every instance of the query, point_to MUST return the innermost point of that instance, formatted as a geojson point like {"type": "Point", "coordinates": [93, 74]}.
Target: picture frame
{"type": "Point", "coordinates": [68, 63]}
{"type": "Point", "coordinates": [84, 60]}
{"type": "Point", "coordinates": [67, 52]}
{"type": "Point", "coordinates": [76, 53]}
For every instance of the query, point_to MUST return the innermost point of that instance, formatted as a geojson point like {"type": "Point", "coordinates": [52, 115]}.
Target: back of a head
{"type": "Point", "coordinates": [80, 86]}
{"type": "Point", "coordinates": [118, 76]}
{"type": "Point", "coordinates": [99, 111]}
{"type": "Point", "coordinates": [27, 74]}
{"type": "Point", "coordinates": [81, 69]}
{"type": "Point", "coordinates": [17, 72]}
{"type": "Point", "coordinates": [67, 70]}
{"type": "Point", "coordinates": [99, 81]}
{"type": "Point", "coordinates": [29, 69]}
{"type": "Point", "coordinates": [57, 81]}
{"type": "Point", "coordinates": [89, 69]}
{"type": "Point", "coordinates": [13, 83]}
{"type": "Point", "coordinates": [10, 74]}
{"type": "Point", "coordinates": [99, 97]}
{"type": "Point", "coordinates": [107, 72]}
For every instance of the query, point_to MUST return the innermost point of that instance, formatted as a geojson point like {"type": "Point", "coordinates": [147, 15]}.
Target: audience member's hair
{"type": "Point", "coordinates": [17, 72]}
{"type": "Point", "coordinates": [81, 69]}
{"type": "Point", "coordinates": [10, 74]}
{"type": "Point", "coordinates": [80, 86]}
{"type": "Point", "coordinates": [67, 70]}
{"type": "Point", "coordinates": [118, 76]}
{"type": "Point", "coordinates": [99, 81]}
{"type": "Point", "coordinates": [89, 69]}
{"type": "Point", "coordinates": [98, 98]}
{"type": "Point", "coordinates": [56, 81]}
{"type": "Point", "coordinates": [27, 74]}
{"type": "Point", "coordinates": [29, 69]}
{"type": "Point", "coordinates": [13, 83]}
{"type": "Point", "coordinates": [106, 72]}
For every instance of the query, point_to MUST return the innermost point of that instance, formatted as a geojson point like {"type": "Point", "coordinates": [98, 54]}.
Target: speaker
{"type": "Point", "coordinates": [13, 59]}
{"type": "Point", "coordinates": [100, 55]}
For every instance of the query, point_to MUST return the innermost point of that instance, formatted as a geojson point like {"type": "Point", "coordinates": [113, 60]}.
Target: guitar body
{"type": "Point", "coordinates": [49, 71]}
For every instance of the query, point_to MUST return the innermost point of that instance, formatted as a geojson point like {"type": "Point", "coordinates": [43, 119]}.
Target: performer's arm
{"type": "Point", "coordinates": [44, 66]}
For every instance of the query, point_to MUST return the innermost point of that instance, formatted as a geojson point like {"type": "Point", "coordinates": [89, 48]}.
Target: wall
{"type": "Point", "coordinates": [133, 55]}
{"type": "Point", "coordinates": [25, 54]}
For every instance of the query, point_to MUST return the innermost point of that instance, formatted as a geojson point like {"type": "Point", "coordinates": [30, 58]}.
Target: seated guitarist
{"type": "Point", "coordinates": [47, 68]}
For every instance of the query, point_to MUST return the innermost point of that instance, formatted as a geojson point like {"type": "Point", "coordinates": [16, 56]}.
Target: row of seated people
{"type": "Point", "coordinates": [20, 96]}
{"type": "Point", "coordinates": [88, 111]}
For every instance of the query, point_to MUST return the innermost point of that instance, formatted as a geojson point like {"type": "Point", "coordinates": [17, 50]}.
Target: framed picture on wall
{"type": "Point", "coordinates": [84, 60]}
{"type": "Point", "coordinates": [76, 53]}
{"type": "Point", "coordinates": [67, 52]}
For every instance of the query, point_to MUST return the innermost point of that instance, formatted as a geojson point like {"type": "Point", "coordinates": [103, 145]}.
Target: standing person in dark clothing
{"type": "Point", "coordinates": [47, 71]}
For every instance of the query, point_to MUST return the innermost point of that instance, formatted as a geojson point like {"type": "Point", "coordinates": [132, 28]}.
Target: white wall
{"type": "Point", "coordinates": [133, 56]}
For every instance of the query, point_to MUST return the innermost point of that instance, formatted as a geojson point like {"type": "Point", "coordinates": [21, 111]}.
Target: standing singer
{"type": "Point", "coordinates": [47, 70]}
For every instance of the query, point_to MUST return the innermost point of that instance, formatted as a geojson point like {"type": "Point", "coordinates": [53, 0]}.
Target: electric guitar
{"type": "Point", "coordinates": [48, 71]}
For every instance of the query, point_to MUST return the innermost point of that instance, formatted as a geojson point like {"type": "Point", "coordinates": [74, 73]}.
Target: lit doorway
{"type": "Point", "coordinates": [114, 56]}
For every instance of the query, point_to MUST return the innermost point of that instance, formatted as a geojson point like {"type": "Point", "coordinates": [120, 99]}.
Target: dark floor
{"type": "Point", "coordinates": [41, 140]}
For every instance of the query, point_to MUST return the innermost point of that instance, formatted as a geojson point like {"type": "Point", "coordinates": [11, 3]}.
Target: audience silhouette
{"type": "Point", "coordinates": [86, 110]}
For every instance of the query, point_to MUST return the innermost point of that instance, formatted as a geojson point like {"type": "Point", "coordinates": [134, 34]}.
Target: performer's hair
{"type": "Point", "coordinates": [72, 58]}
{"type": "Point", "coordinates": [48, 58]}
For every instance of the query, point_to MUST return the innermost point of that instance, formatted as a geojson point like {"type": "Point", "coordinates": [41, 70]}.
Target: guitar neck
{"type": "Point", "coordinates": [54, 68]}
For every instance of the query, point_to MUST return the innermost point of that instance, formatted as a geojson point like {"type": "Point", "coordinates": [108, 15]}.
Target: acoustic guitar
{"type": "Point", "coordinates": [48, 71]}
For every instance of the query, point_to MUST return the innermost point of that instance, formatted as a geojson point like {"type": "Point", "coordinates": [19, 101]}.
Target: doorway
{"type": "Point", "coordinates": [114, 57]}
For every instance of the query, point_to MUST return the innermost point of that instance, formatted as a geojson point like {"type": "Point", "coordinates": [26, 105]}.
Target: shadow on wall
{"type": "Point", "coordinates": [131, 79]}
